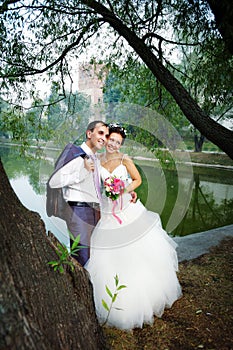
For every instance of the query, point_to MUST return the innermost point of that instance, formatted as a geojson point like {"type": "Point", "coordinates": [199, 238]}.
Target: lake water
{"type": "Point", "coordinates": [189, 200]}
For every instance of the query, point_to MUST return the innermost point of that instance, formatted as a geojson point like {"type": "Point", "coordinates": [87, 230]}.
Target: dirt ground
{"type": "Point", "coordinates": [201, 319]}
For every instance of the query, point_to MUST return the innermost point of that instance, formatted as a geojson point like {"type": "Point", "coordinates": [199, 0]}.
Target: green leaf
{"type": "Point", "coordinates": [108, 291]}
{"type": "Point", "coordinates": [116, 280]}
{"type": "Point", "coordinates": [72, 236]}
{"type": "Point", "coordinates": [78, 248]}
{"type": "Point", "coordinates": [75, 253]}
{"type": "Point", "coordinates": [53, 263]}
{"type": "Point", "coordinates": [61, 247]}
{"type": "Point", "coordinates": [75, 242]}
{"type": "Point", "coordinates": [64, 256]}
{"type": "Point", "coordinates": [114, 297]}
{"type": "Point", "coordinates": [121, 287]}
{"type": "Point", "coordinates": [70, 263]}
{"type": "Point", "coordinates": [105, 305]}
{"type": "Point", "coordinates": [61, 269]}
{"type": "Point", "coordinates": [61, 251]}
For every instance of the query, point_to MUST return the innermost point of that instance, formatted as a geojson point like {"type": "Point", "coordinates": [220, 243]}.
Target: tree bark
{"type": "Point", "coordinates": [213, 131]}
{"type": "Point", "coordinates": [40, 308]}
{"type": "Point", "coordinates": [223, 13]}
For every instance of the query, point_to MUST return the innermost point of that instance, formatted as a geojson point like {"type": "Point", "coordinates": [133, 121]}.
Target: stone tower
{"type": "Point", "coordinates": [91, 80]}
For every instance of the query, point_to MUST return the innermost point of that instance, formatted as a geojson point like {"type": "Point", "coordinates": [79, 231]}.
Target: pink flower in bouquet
{"type": "Point", "coordinates": [114, 187]}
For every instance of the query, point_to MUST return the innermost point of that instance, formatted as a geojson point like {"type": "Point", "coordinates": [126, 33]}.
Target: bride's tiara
{"type": "Point", "coordinates": [118, 128]}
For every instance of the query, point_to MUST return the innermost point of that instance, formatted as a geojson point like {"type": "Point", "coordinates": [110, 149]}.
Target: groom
{"type": "Point", "coordinates": [79, 180]}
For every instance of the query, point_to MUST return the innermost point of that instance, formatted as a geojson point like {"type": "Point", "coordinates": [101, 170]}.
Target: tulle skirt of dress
{"type": "Point", "coordinates": [143, 257]}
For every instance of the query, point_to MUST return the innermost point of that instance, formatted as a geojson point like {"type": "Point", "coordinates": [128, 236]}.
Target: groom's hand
{"type": "Point", "coordinates": [89, 164]}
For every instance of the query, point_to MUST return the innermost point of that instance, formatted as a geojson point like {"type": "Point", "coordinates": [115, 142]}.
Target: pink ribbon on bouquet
{"type": "Point", "coordinates": [114, 207]}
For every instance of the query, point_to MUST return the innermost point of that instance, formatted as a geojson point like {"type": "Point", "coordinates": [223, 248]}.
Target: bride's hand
{"type": "Point", "coordinates": [133, 197]}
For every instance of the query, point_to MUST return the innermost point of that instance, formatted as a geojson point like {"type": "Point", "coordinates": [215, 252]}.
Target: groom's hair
{"type": "Point", "coordinates": [91, 126]}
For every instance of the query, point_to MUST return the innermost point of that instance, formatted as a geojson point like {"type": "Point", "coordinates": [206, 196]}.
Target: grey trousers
{"type": "Point", "coordinates": [82, 222]}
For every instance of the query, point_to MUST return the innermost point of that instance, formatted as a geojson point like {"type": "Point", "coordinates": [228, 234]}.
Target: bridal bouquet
{"type": "Point", "coordinates": [114, 187]}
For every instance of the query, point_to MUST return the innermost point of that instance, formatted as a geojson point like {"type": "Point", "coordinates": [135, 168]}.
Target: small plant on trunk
{"type": "Point", "coordinates": [64, 254]}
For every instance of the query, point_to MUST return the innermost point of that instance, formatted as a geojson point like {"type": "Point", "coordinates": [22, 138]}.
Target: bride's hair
{"type": "Point", "coordinates": [118, 129]}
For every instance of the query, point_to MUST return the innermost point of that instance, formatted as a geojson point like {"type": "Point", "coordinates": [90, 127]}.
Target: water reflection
{"type": "Point", "coordinates": [211, 202]}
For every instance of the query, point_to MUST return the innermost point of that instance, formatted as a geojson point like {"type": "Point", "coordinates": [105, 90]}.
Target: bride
{"type": "Point", "coordinates": [131, 255]}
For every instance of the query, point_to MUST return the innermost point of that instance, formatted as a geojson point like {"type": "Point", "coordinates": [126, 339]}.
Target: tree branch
{"type": "Point", "coordinates": [4, 6]}
{"type": "Point", "coordinates": [160, 38]}
{"type": "Point", "coordinates": [222, 115]}
{"type": "Point", "coordinates": [27, 71]}
{"type": "Point", "coordinates": [206, 125]}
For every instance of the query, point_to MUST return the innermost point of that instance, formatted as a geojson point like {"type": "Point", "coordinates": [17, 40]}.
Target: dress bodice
{"type": "Point", "coordinates": [120, 171]}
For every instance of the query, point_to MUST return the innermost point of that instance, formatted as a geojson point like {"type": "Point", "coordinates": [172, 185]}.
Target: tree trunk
{"type": "Point", "coordinates": [213, 131]}
{"type": "Point", "coordinates": [198, 142]}
{"type": "Point", "coordinates": [223, 13]}
{"type": "Point", "coordinates": [40, 308]}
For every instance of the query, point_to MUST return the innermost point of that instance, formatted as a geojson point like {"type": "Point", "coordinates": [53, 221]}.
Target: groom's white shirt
{"type": "Point", "coordinates": [76, 181]}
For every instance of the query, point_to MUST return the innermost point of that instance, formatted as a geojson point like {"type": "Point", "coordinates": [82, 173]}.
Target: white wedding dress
{"type": "Point", "coordinates": [140, 253]}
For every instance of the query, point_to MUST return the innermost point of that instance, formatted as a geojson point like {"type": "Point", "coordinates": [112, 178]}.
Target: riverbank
{"type": "Point", "coordinates": [197, 244]}
{"type": "Point", "coordinates": [202, 159]}
{"type": "Point", "coordinates": [212, 158]}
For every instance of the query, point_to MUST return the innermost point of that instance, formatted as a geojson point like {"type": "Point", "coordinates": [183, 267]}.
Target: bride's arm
{"type": "Point", "coordinates": [134, 174]}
